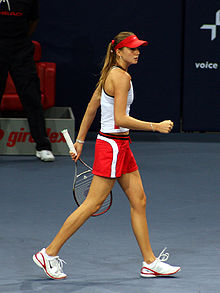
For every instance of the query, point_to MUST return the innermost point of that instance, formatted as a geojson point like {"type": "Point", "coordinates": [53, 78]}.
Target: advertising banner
{"type": "Point", "coordinates": [201, 83]}
{"type": "Point", "coordinates": [15, 137]}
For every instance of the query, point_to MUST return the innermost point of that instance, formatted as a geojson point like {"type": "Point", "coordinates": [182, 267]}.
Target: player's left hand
{"type": "Point", "coordinates": [165, 126]}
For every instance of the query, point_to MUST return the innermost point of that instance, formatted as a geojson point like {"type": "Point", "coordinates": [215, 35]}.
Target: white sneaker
{"type": "Point", "coordinates": [45, 155]}
{"type": "Point", "coordinates": [158, 267]}
{"type": "Point", "coordinates": [53, 267]}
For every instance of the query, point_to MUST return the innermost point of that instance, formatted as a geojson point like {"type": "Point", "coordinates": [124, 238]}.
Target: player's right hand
{"type": "Point", "coordinates": [78, 147]}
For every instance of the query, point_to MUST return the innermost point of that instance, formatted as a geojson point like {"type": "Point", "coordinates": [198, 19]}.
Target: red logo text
{"type": "Point", "coordinates": [23, 136]}
{"type": "Point", "coordinates": [11, 13]}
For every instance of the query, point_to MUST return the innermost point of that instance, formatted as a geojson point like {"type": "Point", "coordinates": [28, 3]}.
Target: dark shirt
{"type": "Point", "coordinates": [15, 16]}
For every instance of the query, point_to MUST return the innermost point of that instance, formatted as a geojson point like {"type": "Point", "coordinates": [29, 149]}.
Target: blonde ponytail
{"type": "Point", "coordinates": [110, 58]}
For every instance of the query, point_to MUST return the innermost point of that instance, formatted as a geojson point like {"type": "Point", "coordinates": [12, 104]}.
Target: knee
{"type": "Point", "coordinates": [91, 207]}
{"type": "Point", "coordinates": [95, 207]}
{"type": "Point", "coordinates": [140, 202]}
{"type": "Point", "coordinates": [143, 201]}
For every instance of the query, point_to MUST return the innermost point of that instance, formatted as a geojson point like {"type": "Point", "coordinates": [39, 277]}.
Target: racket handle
{"type": "Point", "coordinates": [69, 141]}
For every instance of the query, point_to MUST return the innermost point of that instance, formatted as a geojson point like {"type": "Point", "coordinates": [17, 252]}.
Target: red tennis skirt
{"type": "Point", "coordinates": [113, 156]}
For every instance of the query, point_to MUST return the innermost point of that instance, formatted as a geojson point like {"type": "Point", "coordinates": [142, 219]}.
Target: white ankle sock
{"type": "Point", "coordinates": [49, 257]}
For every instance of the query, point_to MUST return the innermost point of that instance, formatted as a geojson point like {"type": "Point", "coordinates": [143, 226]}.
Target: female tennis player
{"type": "Point", "coordinates": [113, 159]}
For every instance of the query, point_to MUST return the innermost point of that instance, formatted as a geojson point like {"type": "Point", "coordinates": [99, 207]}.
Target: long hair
{"type": "Point", "coordinates": [110, 58]}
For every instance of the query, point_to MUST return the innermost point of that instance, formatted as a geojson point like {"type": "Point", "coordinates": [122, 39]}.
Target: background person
{"type": "Point", "coordinates": [113, 159]}
{"type": "Point", "coordinates": [18, 20]}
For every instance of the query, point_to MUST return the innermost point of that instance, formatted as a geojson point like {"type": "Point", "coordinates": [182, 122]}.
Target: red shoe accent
{"type": "Point", "coordinates": [156, 273]}
{"type": "Point", "coordinates": [44, 267]}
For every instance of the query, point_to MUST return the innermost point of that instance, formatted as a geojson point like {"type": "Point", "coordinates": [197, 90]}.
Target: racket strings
{"type": "Point", "coordinates": [83, 182]}
{"type": "Point", "coordinates": [81, 190]}
{"type": "Point", "coordinates": [82, 187]}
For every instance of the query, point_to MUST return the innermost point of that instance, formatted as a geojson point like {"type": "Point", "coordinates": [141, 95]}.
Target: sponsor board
{"type": "Point", "coordinates": [201, 86]}
{"type": "Point", "coordinates": [24, 136]}
{"type": "Point", "coordinates": [213, 29]}
{"type": "Point", "coordinates": [15, 137]}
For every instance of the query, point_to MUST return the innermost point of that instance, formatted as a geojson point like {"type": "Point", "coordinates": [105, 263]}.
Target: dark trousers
{"type": "Point", "coordinates": [18, 60]}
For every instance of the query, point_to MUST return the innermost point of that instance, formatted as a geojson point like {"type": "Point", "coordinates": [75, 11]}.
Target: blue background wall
{"type": "Point", "coordinates": [75, 35]}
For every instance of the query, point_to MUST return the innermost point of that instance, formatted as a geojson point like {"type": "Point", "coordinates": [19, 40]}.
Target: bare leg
{"type": "Point", "coordinates": [99, 190]}
{"type": "Point", "coordinates": [131, 183]}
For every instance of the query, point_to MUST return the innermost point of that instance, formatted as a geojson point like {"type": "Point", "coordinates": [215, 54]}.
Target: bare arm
{"type": "Point", "coordinates": [121, 83]}
{"type": "Point", "coordinates": [87, 121]}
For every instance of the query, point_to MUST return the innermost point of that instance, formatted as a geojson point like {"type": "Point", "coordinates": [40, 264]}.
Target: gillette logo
{"type": "Point", "coordinates": [23, 136]}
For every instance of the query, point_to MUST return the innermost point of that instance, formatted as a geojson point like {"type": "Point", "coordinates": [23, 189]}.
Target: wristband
{"type": "Point", "coordinates": [80, 141]}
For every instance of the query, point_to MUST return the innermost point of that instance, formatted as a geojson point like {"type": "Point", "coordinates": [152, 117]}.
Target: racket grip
{"type": "Point", "coordinates": [69, 141]}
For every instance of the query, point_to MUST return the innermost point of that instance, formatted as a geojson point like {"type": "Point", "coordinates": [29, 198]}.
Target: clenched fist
{"type": "Point", "coordinates": [165, 126]}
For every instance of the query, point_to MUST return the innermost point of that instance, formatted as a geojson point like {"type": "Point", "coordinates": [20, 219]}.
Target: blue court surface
{"type": "Point", "coordinates": [182, 182]}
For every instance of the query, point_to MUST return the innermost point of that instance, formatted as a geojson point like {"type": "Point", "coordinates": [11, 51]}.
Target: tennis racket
{"type": "Point", "coordinates": [82, 180]}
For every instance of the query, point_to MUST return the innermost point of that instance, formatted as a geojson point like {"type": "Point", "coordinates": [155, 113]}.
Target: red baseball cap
{"type": "Point", "coordinates": [130, 42]}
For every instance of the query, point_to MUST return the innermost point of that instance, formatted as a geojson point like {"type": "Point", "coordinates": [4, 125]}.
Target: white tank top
{"type": "Point", "coordinates": [107, 112]}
